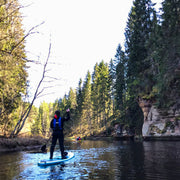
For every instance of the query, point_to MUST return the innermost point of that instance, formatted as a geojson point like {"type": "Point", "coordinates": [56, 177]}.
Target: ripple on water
{"type": "Point", "coordinates": [100, 160]}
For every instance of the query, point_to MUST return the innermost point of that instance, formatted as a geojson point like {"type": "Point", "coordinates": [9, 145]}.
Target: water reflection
{"type": "Point", "coordinates": [162, 160]}
{"type": "Point", "coordinates": [110, 160]}
{"type": "Point", "coordinates": [57, 171]}
{"type": "Point", "coordinates": [130, 161]}
{"type": "Point", "coordinates": [10, 165]}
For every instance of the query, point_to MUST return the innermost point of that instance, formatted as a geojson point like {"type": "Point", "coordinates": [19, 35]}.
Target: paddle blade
{"type": "Point", "coordinates": [43, 148]}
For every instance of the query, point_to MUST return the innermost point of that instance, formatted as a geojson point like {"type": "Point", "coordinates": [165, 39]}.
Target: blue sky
{"type": "Point", "coordinates": [81, 32]}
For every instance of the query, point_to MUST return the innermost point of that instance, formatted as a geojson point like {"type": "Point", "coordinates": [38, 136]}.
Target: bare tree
{"type": "Point", "coordinates": [37, 93]}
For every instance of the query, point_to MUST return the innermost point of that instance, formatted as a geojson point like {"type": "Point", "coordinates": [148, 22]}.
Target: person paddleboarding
{"type": "Point", "coordinates": [57, 126]}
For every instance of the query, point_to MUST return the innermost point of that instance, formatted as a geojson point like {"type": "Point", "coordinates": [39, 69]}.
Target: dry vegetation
{"type": "Point", "coordinates": [20, 143]}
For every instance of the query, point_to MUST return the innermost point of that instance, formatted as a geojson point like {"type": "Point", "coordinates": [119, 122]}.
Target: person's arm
{"type": "Point", "coordinates": [67, 117]}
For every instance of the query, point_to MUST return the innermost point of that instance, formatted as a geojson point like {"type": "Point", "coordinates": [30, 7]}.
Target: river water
{"type": "Point", "coordinates": [104, 160]}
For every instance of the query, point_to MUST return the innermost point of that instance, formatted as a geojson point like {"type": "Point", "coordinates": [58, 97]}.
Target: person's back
{"type": "Point", "coordinates": [57, 126]}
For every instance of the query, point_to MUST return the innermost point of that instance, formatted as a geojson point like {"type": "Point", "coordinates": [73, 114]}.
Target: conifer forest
{"type": "Point", "coordinates": [146, 66]}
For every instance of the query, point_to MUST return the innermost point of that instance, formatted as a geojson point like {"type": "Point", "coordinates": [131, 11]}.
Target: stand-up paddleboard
{"type": "Point", "coordinates": [56, 160]}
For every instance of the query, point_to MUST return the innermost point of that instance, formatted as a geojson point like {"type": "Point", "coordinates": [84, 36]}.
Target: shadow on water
{"type": "Point", "coordinates": [130, 161]}
{"type": "Point", "coordinates": [110, 160]}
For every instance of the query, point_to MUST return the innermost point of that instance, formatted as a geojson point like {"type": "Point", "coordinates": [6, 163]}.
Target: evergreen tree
{"type": "Point", "coordinates": [120, 90]}
{"type": "Point", "coordinates": [13, 75]}
{"type": "Point", "coordinates": [79, 96]}
{"type": "Point", "coordinates": [30, 121]}
{"type": "Point", "coordinates": [138, 32]}
{"type": "Point", "coordinates": [87, 103]}
{"type": "Point", "coordinates": [101, 94]}
{"type": "Point", "coordinates": [113, 65]}
{"type": "Point", "coordinates": [104, 91]}
{"type": "Point", "coordinates": [72, 100]}
{"type": "Point", "coordinates": [169, 54]}
{"type": "Point", "coordinates": [138, 29]}
{"type": "Point", "coordinates": [79, 104]}
{"type": "Point", "coordinates": [36, 128]}
{"type": "Point", "coordinates": [51, 110]}
{"type": "Point", "coordinates": [44, 118]}
{"type": "Point", "coordinates": [56, 104]}
{"type": "Point", "coordinates": [95, 97]}
{"type": "Point", "coordinates": [112, 75]}
{"type": "Point", "coordinates": [118, 56]}
{"type": "Point", "coordinates": [151, 74]}
{"type": "Point", "coordinates": [72, 104]}
{"type": "Point", "coordinates": [112, 70]}
{"type": "Point", "coordinates": [63, 104]}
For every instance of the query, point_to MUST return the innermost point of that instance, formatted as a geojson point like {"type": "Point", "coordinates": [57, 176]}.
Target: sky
{"type": "Point", "coordinates": [81, 33]}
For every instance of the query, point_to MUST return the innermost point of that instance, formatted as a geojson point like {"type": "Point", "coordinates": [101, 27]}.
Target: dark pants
{"type": "Point", "coordinates": [57, 135]}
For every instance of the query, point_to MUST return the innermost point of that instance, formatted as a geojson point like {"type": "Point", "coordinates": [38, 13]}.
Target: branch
{"type": "Point", "coordinates": [43, 90]}
{"type": "Point", "coordinates": [53, 78]}
{"type": "Point", "coordinates": [29, 33]}
{"type": "Point", "coordinates": [46, 94]}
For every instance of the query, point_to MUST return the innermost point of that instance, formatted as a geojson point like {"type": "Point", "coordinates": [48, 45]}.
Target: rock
{"type": "Point", "coordinates": [159, 122]}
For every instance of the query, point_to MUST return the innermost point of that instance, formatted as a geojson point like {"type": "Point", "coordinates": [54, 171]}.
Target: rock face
{"type": "Point", "coordinates": [159, 122]}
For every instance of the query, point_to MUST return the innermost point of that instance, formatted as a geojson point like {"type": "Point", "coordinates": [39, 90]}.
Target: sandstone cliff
{"type": "Point", "coordinates": [160, 122]}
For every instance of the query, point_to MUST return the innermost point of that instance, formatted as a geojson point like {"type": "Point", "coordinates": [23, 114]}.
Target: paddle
{"type": "Point", "coordinates": [43, 148]}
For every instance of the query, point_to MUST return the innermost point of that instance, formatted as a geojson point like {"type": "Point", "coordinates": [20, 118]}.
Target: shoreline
{"type": "Point", "coordinates": [21, 144]}
{"type": "Point", "coordinates": [4, 149]}
{"type": "Point", "coordinates": [135, 138]}
{"type": "Point", "coordinates": [35, 143]}
{"type": "Point", "coordinates": [161, 138]}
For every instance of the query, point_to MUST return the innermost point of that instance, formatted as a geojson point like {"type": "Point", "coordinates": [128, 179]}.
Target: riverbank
{"type": "Point", "coordinates": [161, 138]}
{"type": "Point", "coordinates": [35, 143]}
{"type": "Point", "coordinates": [21, 144]}
{"type": "Point", "coordinates": [135, 138]}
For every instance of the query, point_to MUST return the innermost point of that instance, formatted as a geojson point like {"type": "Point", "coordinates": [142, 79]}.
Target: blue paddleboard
{"type": "Point", "coordinates": [56, 160]}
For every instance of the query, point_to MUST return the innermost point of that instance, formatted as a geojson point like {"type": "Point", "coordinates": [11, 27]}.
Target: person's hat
{"type": "Point", "coordinates": [57, 113]}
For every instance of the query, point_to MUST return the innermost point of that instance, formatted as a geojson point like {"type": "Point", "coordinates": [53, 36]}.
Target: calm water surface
{"type": "Point", "coordinates": [106, 160]}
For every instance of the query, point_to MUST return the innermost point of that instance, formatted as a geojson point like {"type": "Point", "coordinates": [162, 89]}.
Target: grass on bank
{"type": "Point", "coordinates": [12, 143]}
